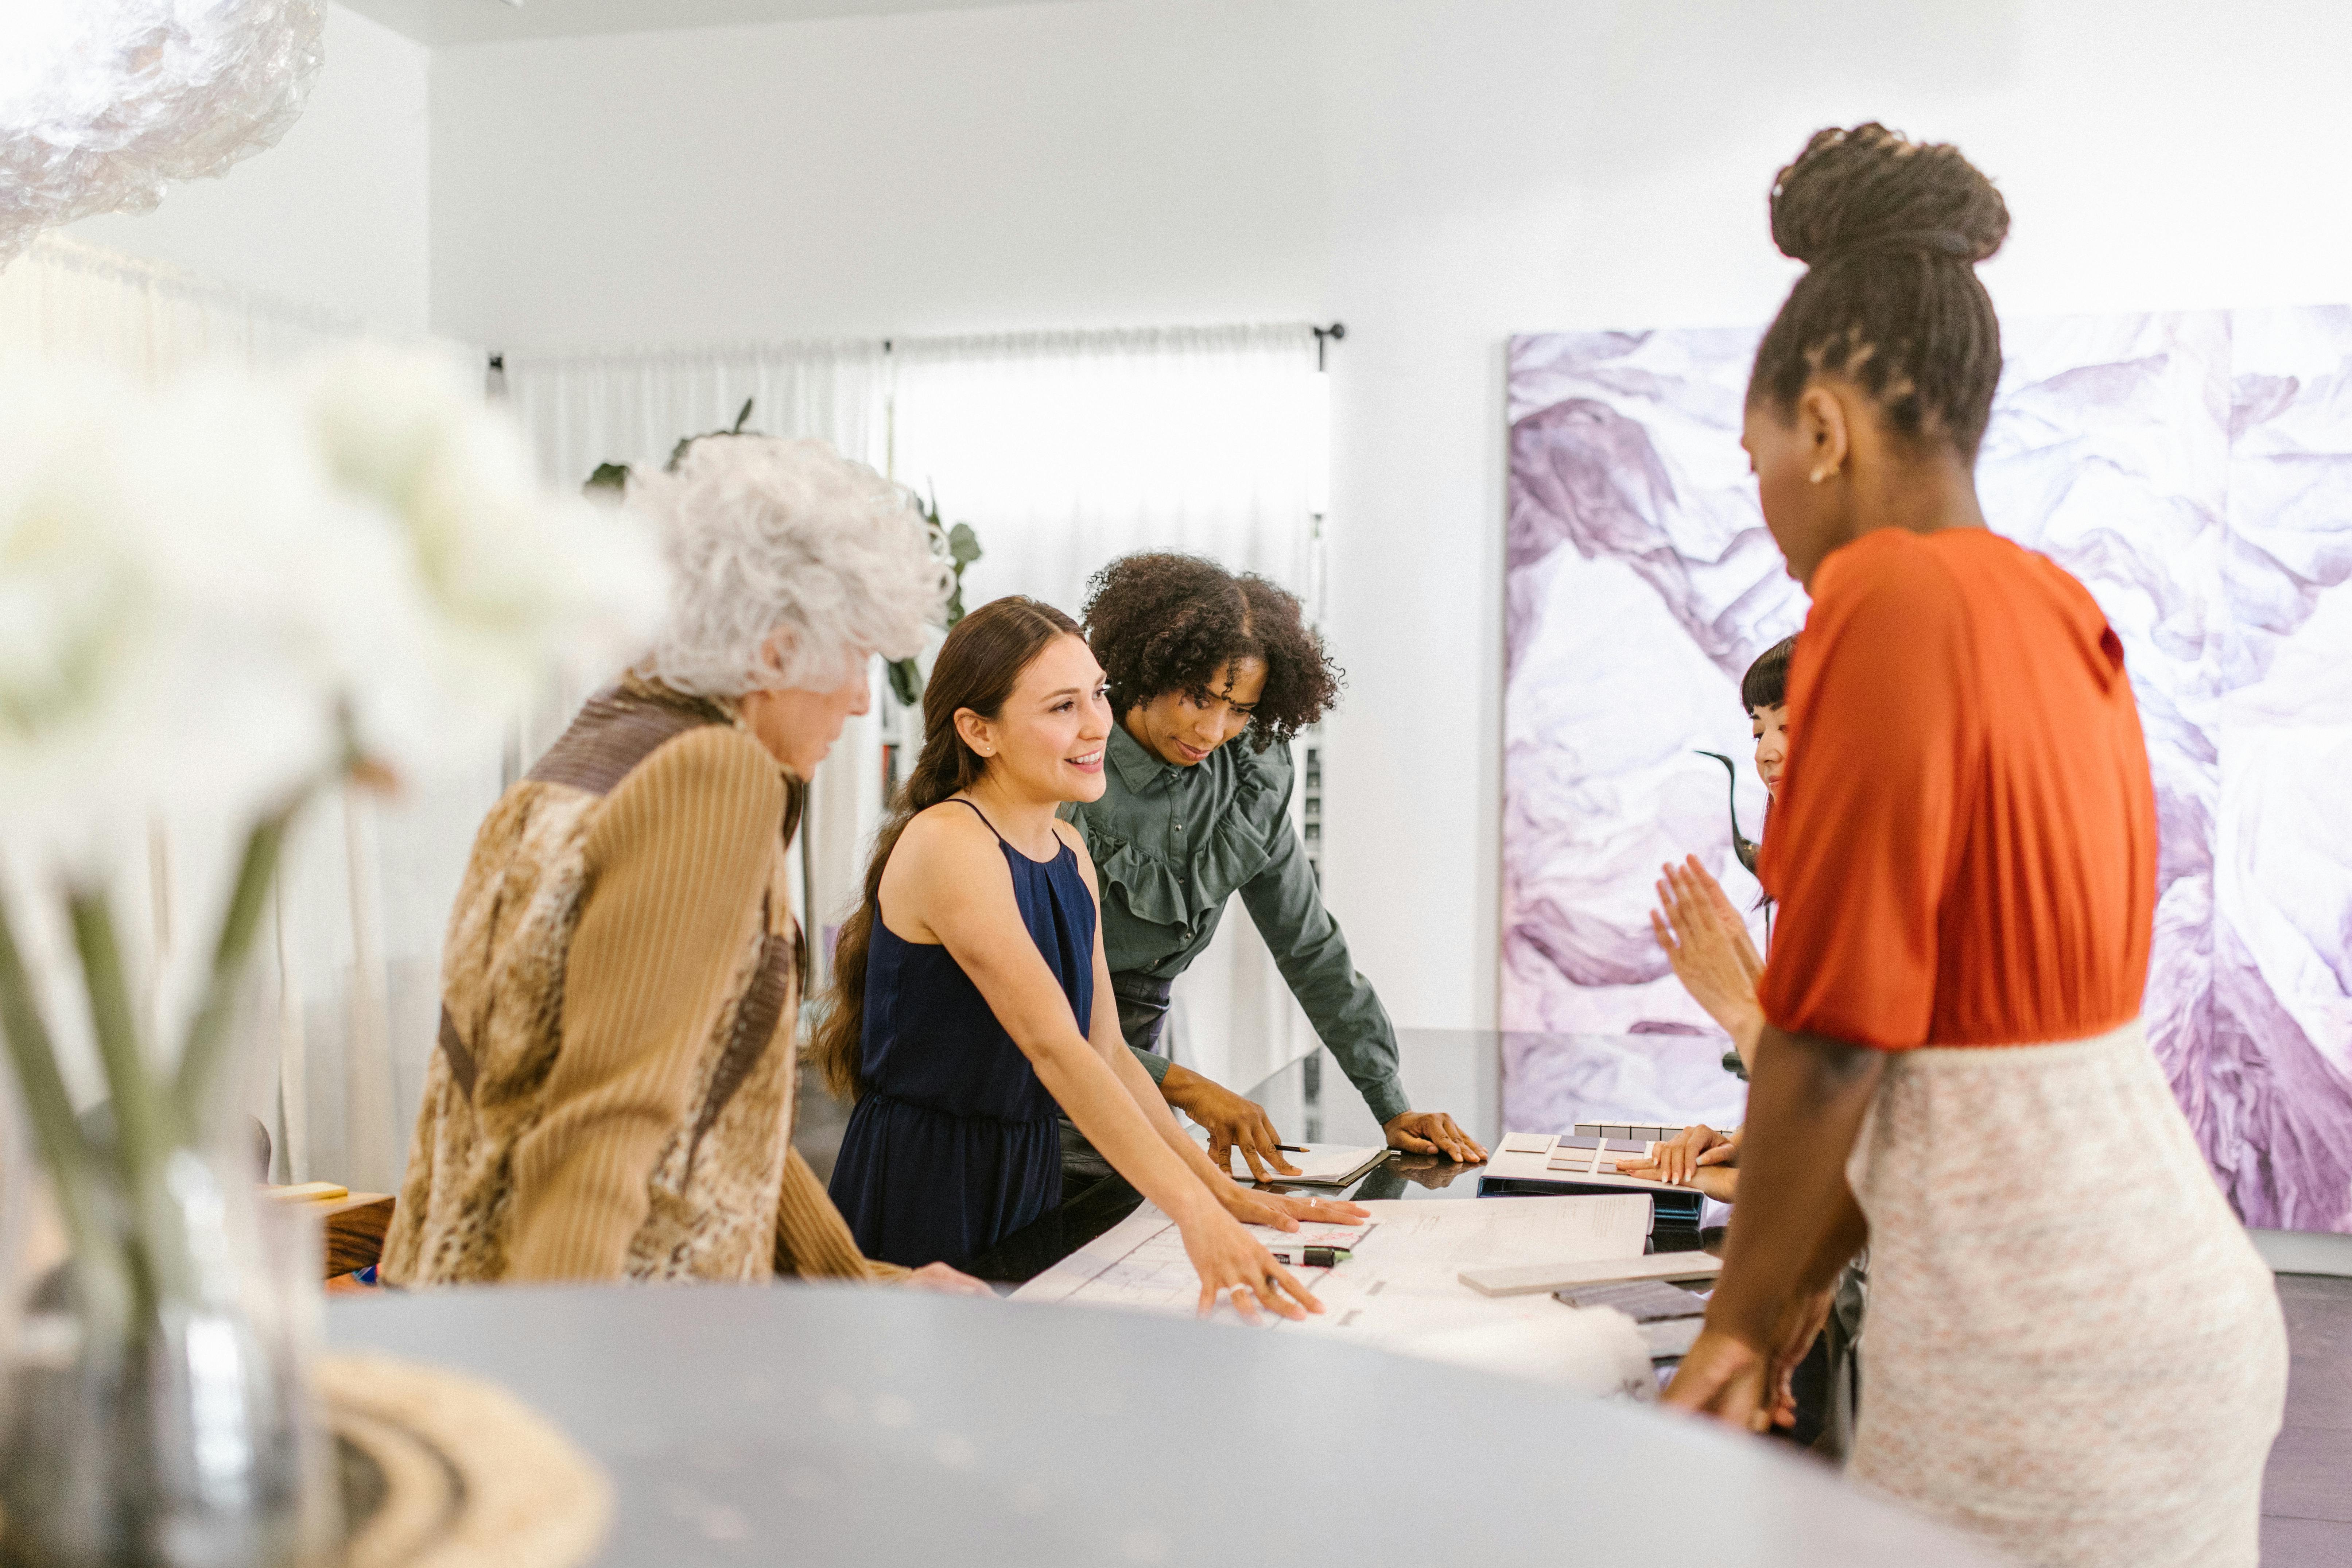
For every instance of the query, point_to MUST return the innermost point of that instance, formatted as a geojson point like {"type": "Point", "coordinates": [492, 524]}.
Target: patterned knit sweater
{"type": "Point", "coordinates": [613, 1095]}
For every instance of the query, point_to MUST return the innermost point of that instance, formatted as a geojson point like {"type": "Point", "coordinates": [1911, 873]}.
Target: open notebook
{"type": "Point", "coordinates": [1319, 1164]}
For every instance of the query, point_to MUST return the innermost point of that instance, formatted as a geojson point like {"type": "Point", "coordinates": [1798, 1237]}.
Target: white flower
{"type": "Point", "coordinates": [514, 581]}
{"type": "Point", "coordinates": [206, 597]}
{"type": "Point", "coordinates": [151, 651]}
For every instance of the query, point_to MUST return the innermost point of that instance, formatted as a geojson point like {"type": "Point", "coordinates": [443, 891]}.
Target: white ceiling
{"type": "Point", "coordinates": [474, 21]}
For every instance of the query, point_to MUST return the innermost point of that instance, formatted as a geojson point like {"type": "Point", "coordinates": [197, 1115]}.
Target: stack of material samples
{"type": "Point", "coordinates": [1668, 1316]}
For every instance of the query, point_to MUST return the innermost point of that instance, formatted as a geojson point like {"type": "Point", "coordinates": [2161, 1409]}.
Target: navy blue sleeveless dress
{"type": "Point", "coordinates": [956, 1143]}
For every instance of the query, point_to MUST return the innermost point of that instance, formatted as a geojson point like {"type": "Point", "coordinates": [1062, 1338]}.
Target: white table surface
{"type": "Point", "coordinates": [841, 1424]}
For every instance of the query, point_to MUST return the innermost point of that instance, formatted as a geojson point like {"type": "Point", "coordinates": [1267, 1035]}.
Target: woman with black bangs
{"type": "Point", "coordinates": [1195, 655]}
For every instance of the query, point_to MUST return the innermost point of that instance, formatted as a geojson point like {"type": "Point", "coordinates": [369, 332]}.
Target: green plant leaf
{"type": "Point", "coordinates": [963, 546]}
{"type": "Point", "coordinates": [608, 476]}
{"type": "Point", "coordinates": [906, 682]}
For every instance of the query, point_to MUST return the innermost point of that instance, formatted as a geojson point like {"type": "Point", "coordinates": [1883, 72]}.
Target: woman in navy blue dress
{"type": "Point", "coordinates": [970, 994]}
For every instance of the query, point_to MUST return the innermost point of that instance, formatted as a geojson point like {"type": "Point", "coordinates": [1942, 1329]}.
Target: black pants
{"type": "Point", "coordinates": [1142, 1016]}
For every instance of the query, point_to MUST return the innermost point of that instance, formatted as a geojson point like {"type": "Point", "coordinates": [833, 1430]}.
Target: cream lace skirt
{"type": "Point", "coordinates": [2072, 1350]}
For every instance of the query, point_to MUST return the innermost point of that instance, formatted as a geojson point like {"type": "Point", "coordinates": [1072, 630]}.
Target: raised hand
{"type": "Point", "coordinates": [1707, 944]}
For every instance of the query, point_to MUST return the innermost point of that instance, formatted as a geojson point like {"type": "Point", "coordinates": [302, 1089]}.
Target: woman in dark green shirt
{"type": "Point", "coordinates": [1195, 655]}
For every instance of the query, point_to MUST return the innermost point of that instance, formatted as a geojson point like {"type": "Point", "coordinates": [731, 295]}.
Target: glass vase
{"type": "Point", "coordinates": [158, 1408]}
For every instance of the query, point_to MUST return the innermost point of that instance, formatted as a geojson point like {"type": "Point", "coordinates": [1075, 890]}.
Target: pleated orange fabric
{"type": "Point", "coordinates": [1964, 849]}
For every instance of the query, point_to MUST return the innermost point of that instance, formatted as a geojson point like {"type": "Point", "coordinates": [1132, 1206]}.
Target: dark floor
{"type": "Point", "coordinates": [2307, 1495]}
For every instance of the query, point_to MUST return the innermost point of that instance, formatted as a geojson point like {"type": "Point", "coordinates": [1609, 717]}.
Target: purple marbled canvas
{"type": "Point", "coordinates": [2194, 469]}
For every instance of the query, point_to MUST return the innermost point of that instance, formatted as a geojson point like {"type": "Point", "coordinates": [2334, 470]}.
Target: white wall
{"type": "Point", "coordinates": [334, 216]}
{"type": "Point", "coordinates": [1438, 173]}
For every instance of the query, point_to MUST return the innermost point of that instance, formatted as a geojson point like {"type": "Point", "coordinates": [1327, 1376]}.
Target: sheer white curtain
{"type": "Point", "coordinates": [344, 1010]}
{"type": "Point", "coordinates": [612, 406]}
{"type": "Point", "coordinates": [584, 408]}
{"type": "Point", "coordinates": [64, 299]}
{"type": "Point", "coordinates": [1063, 450]}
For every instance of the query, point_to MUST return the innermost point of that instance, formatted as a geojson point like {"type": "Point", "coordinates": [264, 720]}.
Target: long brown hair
{"type": "Point", "coordinates": [978, 667]}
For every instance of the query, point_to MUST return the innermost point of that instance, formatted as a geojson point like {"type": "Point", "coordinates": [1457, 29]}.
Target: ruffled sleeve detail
{"type": "Point", "coordinates": [1156, 888]}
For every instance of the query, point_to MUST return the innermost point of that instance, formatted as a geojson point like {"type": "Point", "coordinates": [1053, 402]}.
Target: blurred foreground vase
{"type": "Point", "coordinates": [176, 1427]}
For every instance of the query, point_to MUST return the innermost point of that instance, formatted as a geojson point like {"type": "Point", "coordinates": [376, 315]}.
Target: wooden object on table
{"type": "Point", "coordinates": [355, 1222]}
{"type": "Point", "coordinates": [441, 1470]}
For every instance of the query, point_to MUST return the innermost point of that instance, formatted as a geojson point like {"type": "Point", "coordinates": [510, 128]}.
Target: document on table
{"type": "Point", "coordinates": [1142, 1263]}
{"type": "Point", "coordinates": [1400, 1288]}
{"type": "Point", "coordinates": [1413, 1250]}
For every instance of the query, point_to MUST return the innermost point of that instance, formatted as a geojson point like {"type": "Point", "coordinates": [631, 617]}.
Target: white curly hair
{"type": "Point", "coordinates": [766, 534]}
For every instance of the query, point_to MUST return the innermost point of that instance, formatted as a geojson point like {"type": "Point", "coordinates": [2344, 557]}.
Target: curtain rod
{"type": "Point", "coordinates": [1324, 337]}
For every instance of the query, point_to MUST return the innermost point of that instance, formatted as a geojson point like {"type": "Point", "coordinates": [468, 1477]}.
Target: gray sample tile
{"type": "Point", "coordinates": [2306, 1544]}
{"type": "Point", "coordinates": [2310, 1474]}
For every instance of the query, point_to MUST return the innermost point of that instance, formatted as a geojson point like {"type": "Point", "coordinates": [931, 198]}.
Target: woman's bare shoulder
{"type": "Point", "coordinates": [1069, 834]}
{"type": "Point", "coordinates": [950, 828]}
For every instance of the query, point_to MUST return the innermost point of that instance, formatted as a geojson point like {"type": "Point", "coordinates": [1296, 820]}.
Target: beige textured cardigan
{"type": "Point", "coordinates": [613, 1095]}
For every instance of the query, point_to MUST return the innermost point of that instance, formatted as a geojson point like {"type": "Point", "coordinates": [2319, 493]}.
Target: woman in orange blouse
{"type": "Point", "coordinates": [2072, 1350]}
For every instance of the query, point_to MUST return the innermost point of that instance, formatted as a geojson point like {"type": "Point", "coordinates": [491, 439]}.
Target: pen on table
{"type": "Point", "coordinates": [1293, 1148]}
{"type": "Point", "coordinates": [1311, 1256]}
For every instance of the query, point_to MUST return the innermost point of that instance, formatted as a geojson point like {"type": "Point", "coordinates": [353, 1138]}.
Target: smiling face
{"type": "Point", "coordinates": [1770, 727]}
{"type": "Point", "coordinates": [1181, 731]}
{"type": "Point", "coordinates": [1046, 742]}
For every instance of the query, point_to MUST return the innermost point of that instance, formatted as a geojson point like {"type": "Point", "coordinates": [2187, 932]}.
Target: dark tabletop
{"type": "Point", "coordinates": [1492, 1081]}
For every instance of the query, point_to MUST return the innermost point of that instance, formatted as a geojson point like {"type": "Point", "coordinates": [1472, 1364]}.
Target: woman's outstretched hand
{"type": "Point", "coordinates": [1234, 1267]}
{"type": "Point", "coordinates": [940, 1279]}
{"type": "Point", "coordinates": [1706, 942]}
{"type": "Point", "coordinates": [1677, 1159]}
{"type": "Point", "coordinates": [1283, 1211]}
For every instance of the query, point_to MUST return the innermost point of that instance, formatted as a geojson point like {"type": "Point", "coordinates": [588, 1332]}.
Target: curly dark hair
{"type": "Point", "coordinates": [1893, 230]}
{"type": "Point", "coordinates": [1160, 622]}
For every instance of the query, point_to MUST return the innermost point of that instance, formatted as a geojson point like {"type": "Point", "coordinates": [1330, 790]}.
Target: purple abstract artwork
{"type": "Point", "coordinates": [2193, 470]}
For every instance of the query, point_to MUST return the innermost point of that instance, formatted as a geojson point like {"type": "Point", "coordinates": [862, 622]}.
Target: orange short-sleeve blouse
{"type": "Point", "coordinates": [1964, 849]}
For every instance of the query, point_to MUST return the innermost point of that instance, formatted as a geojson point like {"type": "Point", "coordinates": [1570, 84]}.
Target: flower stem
{"type": "Point", "coordinates": [208, 1031]}
{"type": "Point", "coordinates": [143, 1133]}
{"type": "Point", "coordinates": [71, 1159]}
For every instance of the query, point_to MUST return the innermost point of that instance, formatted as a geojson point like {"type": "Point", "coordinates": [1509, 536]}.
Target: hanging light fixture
{"type": "Point", "coordinates": [102, 107]}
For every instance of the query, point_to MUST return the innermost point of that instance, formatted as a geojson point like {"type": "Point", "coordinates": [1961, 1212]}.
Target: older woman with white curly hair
{"type": "Point", "coordinates": [613, 1094]}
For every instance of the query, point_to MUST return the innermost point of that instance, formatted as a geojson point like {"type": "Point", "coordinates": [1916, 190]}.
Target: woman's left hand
{"type": "Point", "coordinates": [940, 1279]}
{"type": "Point", "coordinates": [1283, 1211]}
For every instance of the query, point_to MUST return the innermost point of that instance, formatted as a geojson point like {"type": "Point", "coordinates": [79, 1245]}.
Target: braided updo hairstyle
{"type": "Point", "coordinates": [1892, 231]}
{"type": "Point", "coordinates": [978, 667]}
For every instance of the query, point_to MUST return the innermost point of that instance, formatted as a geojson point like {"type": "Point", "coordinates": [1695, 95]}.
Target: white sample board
{"type": "Point", "coordinates": [1582, 1160]}
{"type": "Point", "coordinates": [1401, 1288]}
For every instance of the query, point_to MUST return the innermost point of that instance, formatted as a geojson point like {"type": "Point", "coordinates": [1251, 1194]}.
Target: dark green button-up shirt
{"type": "Point", "coordinates": [1171, 844]}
